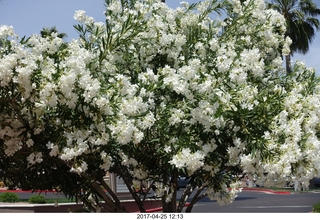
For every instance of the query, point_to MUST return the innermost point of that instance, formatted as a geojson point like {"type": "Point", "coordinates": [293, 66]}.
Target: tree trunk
{"type": "Point", "coordinates": [185, 195]}
{"type": "Point", "coordinates": [288, 68]}
{"type": "Point", "coordinates": [172, 205]}
{"type": "Point", "coordinates": [197, 197]}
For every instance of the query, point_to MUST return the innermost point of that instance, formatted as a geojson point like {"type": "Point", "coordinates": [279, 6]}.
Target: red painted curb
{"type": "Point", "coordinates": [154, 210]}
{"type": "Point", "coordinates": [266, 190]}
{"type": "Point", "coordinates": [24, 191]}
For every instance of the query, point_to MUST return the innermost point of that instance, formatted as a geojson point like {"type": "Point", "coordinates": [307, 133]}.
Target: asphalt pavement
{"type": "Point", "coordinates": [262, 201]}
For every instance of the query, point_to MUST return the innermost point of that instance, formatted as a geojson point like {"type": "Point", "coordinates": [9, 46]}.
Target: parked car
{"type": "Point", "coordinates": [316, 182]}
{"type": "Point", "coordinates": [183, 182]}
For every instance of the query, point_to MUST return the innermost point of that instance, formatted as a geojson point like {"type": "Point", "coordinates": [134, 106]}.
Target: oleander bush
{"type": "Point", "coordinates": [155, 93]}
{"type": "Point", "coordinates": [37, 199]}
{"type": "Point", "coordinates": [9, 197]}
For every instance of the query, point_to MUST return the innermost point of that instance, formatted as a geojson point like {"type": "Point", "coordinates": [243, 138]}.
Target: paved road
{"type": "Point", "coordinates": [261, 202]}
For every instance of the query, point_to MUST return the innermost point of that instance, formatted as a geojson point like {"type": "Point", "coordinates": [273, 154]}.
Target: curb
{"type": "Point", "coordinates": [267, 190]}
{"type": "Point", "coordinates": [154, 210]}
{"type": "Point", "coordinates": [24, 191]}
{"type": "Point", "coordinates": [160, 208]}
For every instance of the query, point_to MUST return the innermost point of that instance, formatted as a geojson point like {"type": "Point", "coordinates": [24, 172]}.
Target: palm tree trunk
{"type": "Point", "coordinates": [288, 60]}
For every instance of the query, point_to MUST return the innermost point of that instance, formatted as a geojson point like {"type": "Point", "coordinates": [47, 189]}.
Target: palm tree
{"type": "Point", "coordinates": [302, 24]}
{"type": "Point", "coordinates": [46, 32]}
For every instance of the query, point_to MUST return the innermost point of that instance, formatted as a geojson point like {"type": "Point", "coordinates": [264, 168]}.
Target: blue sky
{"type": "Point", "coordinates": [30, 16]}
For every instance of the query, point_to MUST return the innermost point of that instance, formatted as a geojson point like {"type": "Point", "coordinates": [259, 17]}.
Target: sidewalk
{"type": "Point", "coordinates": [280, 191]}
{"type": "Point", "coordinates": [284, 190]}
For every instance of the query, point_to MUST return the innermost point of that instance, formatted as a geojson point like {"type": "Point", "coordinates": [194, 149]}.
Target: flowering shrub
{"type": "Point", "coordinates": [154, 93]}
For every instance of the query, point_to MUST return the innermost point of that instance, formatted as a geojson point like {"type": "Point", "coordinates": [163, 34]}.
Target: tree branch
{"type": "Point", "coordinates": [110, 191]}
{"type": "Point", "coordinates": [115, 207]}
{"type": "Point", "coordinates": [128, 182]}
{"type": "Point", "coordinates": [185, 195]}
{"type": "Point", "coordinates": [196, 198]}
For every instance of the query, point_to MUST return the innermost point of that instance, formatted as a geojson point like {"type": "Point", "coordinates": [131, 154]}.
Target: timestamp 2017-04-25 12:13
{"type": "Point", "coordinates": [171, 216]}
